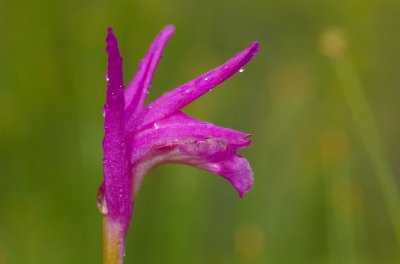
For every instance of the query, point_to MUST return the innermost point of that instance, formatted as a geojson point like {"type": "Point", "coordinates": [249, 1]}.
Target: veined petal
{"type": "Point", "coordinates": [183, 139]}
{"type": "Point", "coordinates": [135, 94]}
{"type": "Point", "coordinates": [181, 128]}
{"type": "Point", "coordinates": [117, 180]}
{"type": "Point", "coordinates": [174, 100]}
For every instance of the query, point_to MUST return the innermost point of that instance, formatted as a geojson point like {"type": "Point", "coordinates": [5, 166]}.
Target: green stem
{"type": "Point", "coordinates": [369, 133]}
{"type": "Point", "coordinates": [113, 242]}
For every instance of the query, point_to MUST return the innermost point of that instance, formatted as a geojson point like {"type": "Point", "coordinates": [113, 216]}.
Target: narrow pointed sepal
{"type": "Point", "coordinates": [117, 170]}
{"type": "Point", "coordinates": [178, 98]}
{"type": "Point", "coordinates": [137, 90]}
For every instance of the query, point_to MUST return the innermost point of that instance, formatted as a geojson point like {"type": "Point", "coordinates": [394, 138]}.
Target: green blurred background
{"type": "Point", "coordinates": [325, 149]}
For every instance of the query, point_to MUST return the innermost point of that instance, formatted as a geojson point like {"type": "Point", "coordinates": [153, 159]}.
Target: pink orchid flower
{"type": "Point", "coordinates": [137, 137]}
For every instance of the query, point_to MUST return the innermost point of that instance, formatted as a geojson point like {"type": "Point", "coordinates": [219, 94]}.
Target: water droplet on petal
{"type": "Point", "coordinates": [106, 77]}
{"type": "Point", "coordinates": [101, 200]}
{"type": "Point", "coordinates": [241, 70]}
{"type": "Point", "coordinates": [156, 126]}
{"type": "Point", "coordinates": [103, 113]}
{"type": "Point", "coordinates": [206, 79]}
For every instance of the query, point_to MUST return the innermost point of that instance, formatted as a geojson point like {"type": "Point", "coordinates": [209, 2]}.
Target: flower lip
{"type": "Point", "coordinates": [179, 128]}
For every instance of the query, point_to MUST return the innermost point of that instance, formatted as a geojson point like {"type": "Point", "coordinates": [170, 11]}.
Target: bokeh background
{"type": "Point", "coordinates": [321, 98]}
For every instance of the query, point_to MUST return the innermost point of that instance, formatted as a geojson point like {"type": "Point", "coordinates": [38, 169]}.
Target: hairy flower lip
{"type": "Point", "coordinates": [163, 139]}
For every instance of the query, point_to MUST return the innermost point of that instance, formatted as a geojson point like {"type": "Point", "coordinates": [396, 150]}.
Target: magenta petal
{"type": "Point", "coordinates": [135, 94]}
{"type": "Point", "coordinates": [237, 171]}
{"type": "Point", "coordinates": [183, 139]}
{"type": "Point", "coordinates": [178, 98]}
{"type": "Point", "coordinates": [218, 156]}
{"type": "Point", "coordinates": [180, 128]}
{"type": "Point", "coordinates": [117, 180]}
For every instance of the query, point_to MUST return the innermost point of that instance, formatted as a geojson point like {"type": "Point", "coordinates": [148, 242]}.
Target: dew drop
{"type": "Point", "coordinates": [106, 77]}
{"type": "Point", "coordinates": [101, 200]}
{"type": "Point", "coordinates": [103, 113]}
{"type": "Point", "coordinates": [206, 79]}
{"type": "Point", "coordinates": [241, 70]}
{"type": "Point", "coordinates": [156, 126]}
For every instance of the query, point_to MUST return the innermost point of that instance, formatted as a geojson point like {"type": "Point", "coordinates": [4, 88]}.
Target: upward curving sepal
{"type": "Point", "coordinates": [178, 98]}
{"type": "Point", "coordinates": [135, 94]}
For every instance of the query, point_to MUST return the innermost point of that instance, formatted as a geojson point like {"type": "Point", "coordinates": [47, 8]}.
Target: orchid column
{"type": "Point", "coordinates": [137, 138]}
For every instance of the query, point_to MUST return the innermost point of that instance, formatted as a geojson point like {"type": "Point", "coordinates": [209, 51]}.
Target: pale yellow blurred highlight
{"type": "Point", "coordinates": [333, 42]}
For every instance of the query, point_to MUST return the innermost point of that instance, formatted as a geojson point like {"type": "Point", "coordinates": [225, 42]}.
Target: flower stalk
{"type": "Point", "coordinates": [113, 242]}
